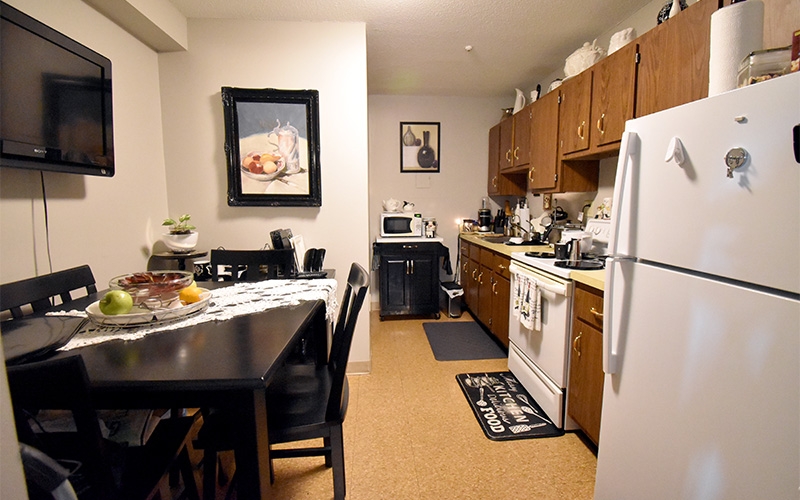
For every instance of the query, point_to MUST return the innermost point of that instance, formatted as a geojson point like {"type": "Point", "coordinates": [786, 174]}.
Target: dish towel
{"type": "Point", "coordinates": [527, 302]}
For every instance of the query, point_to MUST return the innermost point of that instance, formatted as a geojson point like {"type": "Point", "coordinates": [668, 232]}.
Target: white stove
{"type": "Point", "coordinates": [538, 351]}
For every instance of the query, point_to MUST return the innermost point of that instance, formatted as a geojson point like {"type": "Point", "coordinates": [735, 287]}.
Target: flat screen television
{"type": "Point", "coordinates": [55, 100]}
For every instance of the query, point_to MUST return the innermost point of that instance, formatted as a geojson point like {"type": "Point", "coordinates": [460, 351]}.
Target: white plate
{"type": "Point", "coordinates": [141, 316]}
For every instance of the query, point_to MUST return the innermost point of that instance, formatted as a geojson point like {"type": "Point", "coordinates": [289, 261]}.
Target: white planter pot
{"type": "Point", "coordinates": [181, 243]}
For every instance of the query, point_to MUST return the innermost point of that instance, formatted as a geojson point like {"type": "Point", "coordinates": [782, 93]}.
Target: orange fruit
{"type": "Point", "coordinates": [190, 295]}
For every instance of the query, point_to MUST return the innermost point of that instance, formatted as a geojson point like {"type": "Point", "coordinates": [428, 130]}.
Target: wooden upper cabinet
{"type": "Point", "coordinates": [613, 96]}
{"type": "Point", "coordinates": [673, 66]}
{"type": "Point", "coordinates": [521, 154]}
{"type": "Point", "coordinates": [494, 163]}
{"type": "Point", "coordinates": [506, 142]}
{"type": "Point", "coordinates": [515, 137]}
{"type": "Point", "coordinates": [574, 115]}
{"type": "Point", "coordinates": [498, 183]}
{"type": "Point", "coordinates": [544, 142]}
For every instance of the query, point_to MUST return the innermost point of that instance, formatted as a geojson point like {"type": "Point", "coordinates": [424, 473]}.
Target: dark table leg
{"type": "Point", "coordinates": [252, 450]}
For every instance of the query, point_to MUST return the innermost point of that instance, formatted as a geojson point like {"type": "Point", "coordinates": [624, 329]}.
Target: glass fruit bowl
{"type": "Point", "coordinates": [153, 289]}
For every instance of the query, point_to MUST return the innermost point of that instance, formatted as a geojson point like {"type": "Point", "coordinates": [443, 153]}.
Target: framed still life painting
{"type": "Point", "coordinates": [272, 147]}
{"type": "Point", "coordinates": [419, 147]}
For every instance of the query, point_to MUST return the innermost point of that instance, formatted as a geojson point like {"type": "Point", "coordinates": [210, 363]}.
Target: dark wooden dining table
{"type": "Point", "coordinates": [223, 364]}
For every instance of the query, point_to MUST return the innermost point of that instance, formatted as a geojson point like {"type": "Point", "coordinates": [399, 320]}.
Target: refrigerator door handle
{"type": "Point", "coordinates": [626, 158]}
{"type": "Point", "coordinates": [611, 334]}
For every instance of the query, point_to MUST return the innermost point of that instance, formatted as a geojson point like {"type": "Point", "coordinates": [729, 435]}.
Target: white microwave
{"type": "Point", "coordinates": [400, 224]}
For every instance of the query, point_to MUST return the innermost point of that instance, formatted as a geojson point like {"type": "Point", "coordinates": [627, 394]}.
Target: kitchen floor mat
{"type": "Point", "coordinates": [459, 340]}
{"type": "Point", "coordinates": [504, 408]}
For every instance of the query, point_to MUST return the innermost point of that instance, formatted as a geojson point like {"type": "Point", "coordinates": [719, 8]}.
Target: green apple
{"type": "Point", "coordinates": [116, 302]}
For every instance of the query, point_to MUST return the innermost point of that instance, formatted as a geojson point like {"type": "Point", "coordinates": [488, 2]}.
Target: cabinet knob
{"type": "Point", "coordinates": [581, 129]}
{"type": "Point", "coordinates": [494, 181]}
{"type": "Point", "coordinates": [480, 279]}
{"type": "Point", "coordinates": [501, 267]}
{"type": "Point", "coordinates": [530, 174]}
{"type": "Point", "coordinates": [597, 314]}
{"type": "Point", "coordinates": [576, 344]}
{"type": "Point", "coordinates": [508, 156]}
{"type": "Point", "coordinates": [601, 124]}
{"type": "Point", "coordinates": [515, 153]}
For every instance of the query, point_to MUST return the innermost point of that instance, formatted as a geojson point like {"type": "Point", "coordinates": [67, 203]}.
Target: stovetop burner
{"type": "Point", "coordinates": [541, 255]}
{"type": "Point", "coordinates": [585, 265]}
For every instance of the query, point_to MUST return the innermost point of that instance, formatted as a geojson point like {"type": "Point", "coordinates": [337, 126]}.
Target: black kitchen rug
{"type": "Point", "coordinates": [459, 340]}
{"type": "Point", "coordinates": [504, 408]}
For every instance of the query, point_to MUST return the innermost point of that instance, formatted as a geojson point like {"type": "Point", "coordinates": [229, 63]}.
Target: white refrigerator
{"type": "Point", "coordinates": [702, 303]}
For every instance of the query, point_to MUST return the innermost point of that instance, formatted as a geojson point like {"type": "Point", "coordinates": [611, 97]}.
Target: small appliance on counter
{"type": "Point", "coordinates": [484, 218]}
{"type": "Point", "coordinates": [401, 224]}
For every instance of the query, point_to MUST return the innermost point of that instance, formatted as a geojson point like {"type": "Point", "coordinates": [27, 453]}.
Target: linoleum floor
{"type": "Point", "coordinates": [410, 434]}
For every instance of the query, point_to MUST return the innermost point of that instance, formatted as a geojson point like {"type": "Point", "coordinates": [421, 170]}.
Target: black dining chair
{"type": "Point", "coordinates": [100, 469]}
{"type": "Point", "coordinates": [304, 401]}
{"type": "Point", "coordinates": [253, 265]}
{"type": "Point", "coordinates": [37, 293]}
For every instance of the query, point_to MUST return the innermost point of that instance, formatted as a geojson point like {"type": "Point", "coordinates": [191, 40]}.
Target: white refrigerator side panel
{"type": "Point", "coordinates": [695, 217]}
{"type": "Point", "coordinates": [705, 403]}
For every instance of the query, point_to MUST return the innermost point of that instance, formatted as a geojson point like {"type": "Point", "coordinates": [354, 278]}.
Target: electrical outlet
{"type": "Point", "coordinates": [547, 202]}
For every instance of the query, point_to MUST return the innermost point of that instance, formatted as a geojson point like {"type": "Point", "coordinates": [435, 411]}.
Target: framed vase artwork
{"type": "Point", "coordinates": [272, 147]}
{"type": "Point", "coordinates": [419, 147]}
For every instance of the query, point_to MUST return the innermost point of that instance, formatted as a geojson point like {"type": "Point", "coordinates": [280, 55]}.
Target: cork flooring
{"type": "Point", "coordinates": [410, 434]}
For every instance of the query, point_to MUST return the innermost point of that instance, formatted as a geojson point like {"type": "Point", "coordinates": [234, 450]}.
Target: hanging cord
{"type": "Point", "coordinates": [46, 224]}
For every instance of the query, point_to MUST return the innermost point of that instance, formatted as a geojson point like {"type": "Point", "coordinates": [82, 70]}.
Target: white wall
{"type": "Point", "coordinates": [103, 222]}
{"type": "Point", "coordinates": [454, 192]}
{"type": "Point", "coordinates": [328, 57]}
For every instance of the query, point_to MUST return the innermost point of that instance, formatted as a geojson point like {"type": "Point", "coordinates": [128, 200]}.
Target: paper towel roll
{"type": "Point", "coordinates": [736, 30]}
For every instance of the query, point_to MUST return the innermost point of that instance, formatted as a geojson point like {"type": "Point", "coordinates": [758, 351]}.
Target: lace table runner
{"type": "Point", "coordinates": [225, 303]}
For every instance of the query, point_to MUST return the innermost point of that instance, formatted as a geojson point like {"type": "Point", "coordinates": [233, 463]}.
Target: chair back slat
{"type": "Point", "coordinates": [354, 295]}
{"type": "Point", "coordinates": [278, 263]}
{"type": "Point", "coordinates": [38, 291]}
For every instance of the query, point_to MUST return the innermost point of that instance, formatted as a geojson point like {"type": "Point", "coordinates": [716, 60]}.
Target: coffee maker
{"type": "Point", "coordinates": [484, 218]}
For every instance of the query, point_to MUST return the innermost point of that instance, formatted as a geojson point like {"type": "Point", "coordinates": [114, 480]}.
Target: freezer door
{"type": "Point", "coordinates": [691, 214]}
{"type": "Point", "coordinates": [704, 404]}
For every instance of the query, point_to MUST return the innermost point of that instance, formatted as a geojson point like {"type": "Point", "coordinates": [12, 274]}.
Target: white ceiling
{"type": "Point", "coordinates": [417, 47]}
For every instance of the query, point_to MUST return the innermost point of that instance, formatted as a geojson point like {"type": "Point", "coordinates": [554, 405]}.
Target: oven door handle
{"type": "Point", "coordinates": [550, 286]}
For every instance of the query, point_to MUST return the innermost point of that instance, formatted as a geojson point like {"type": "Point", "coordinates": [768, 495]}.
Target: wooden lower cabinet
{"type": "Point", "coordinates": [487, 287]}
{"type": "Point", "coordinates": [585, 390]}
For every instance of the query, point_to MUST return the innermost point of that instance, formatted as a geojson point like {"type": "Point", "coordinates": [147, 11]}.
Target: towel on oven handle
{"type": "Point", "coordinates": [527, 302]}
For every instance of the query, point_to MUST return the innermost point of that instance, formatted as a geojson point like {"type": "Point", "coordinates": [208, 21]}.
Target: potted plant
{"type": "Point", "coordinates": [182, 237]}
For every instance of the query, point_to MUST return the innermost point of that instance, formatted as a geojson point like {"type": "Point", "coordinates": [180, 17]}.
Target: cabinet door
{"type": "Point", "coordinates": [574, 112]}
{"type": "Point", "coordinates": [613, 95]}
{"type": "Point", "coordinates": [484, 282]}
{"type": "Point", "coordinates": [494, 160]}
{"type": "Point", "coordinates": [544, 142]}
{"type": "Point", "coordinates": [521, 154]}
{"type": "Point", "coordinates": [673, 66]}
{"type": "Point", "coordinates": [393, 291]}
{"type": "Point", "coordinates": [501, 291]}
{"type": "Point", "coordinates": [585, 394]}
{"type": "Point", "coordinates": [506, 141]}
{"type": "Point", "coordinates": [472, 288]}
{"type": "Point", "coordinates": [421, 290]}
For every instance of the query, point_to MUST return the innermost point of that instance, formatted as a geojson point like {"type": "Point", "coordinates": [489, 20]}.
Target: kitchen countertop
{"type": "Point", "coordinates": [594, 279]}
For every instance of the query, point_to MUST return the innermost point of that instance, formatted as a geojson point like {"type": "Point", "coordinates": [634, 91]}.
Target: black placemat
{"type": "Point", "coordinates": [504, 408]}
{"type": "Point", "coordinates": [459, 340]}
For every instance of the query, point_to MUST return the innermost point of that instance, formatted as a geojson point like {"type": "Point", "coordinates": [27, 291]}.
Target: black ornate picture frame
{"type": "Point", "coordinates": [272, 147]}
{"type": "Point", "coordinates": [419, 147]}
